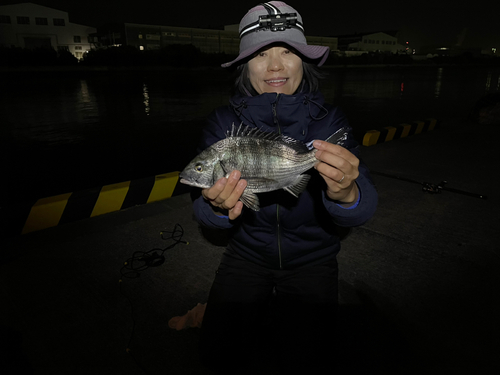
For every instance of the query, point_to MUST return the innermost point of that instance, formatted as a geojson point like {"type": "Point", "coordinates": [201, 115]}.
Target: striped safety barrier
{"type": "Point", "coordinates": [65, 208]}
{"type": "Point", "coordinates": [389, 133]}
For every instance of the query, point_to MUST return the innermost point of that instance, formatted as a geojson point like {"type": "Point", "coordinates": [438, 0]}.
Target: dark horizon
{"type": "Point", "coordinates": [428, 23]}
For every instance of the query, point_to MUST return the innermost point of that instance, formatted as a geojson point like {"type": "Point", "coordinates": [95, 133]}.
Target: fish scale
{"type": "Point", "coordinates": [267, 161]}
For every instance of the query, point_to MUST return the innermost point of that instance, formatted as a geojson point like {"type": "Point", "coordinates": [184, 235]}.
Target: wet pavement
{"type": "Point", "coordinates": [419, 283]}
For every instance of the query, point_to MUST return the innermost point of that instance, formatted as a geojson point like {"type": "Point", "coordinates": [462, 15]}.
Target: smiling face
{"type": "Point", "coordinates": [275, 69]}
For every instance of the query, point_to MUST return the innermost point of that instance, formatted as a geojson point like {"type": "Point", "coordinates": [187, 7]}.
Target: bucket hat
{"type": "Point", "coordinates": [275, 22]}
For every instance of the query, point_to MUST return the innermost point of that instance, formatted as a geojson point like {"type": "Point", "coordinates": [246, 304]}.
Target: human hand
{"type": "Point", "coordinates": [225, 194]}
{"type": "Point", "coordinates": [339, 168]}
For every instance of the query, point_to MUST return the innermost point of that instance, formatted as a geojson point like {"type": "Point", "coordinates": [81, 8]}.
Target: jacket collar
{"type": "Point", "coordinates": [279, 112]}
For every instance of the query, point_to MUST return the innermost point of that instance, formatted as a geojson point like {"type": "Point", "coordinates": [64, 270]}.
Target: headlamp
{"type": "Point", "coordinates": [274, 20]}
{"type": "Point", "coordinates": [277, 22]}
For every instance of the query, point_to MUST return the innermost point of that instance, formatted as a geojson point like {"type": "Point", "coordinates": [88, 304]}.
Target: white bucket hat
{"type": "Point", "coordinates": [275, 22]}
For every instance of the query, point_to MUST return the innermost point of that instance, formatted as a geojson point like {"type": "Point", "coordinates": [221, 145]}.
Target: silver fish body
{"type": "Point", "coordinates": [267, 161]}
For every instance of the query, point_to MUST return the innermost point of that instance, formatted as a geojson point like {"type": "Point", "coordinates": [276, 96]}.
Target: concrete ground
{"type": "Point", "coordinates": [419, 283]}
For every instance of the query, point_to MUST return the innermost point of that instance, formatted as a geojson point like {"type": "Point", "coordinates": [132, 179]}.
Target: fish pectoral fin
{"type": "Point", "coordinates": [299, 186]}
{"type": "Point", "coordinates": [222, 165]}
{"type": "Point", "coordinates": [227, 166]}
{"type": "Point", "coordinates": [250, 200]}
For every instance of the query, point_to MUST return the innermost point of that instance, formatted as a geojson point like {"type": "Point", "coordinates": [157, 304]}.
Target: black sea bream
{"type": "Point", "coordinates": [267, 161]}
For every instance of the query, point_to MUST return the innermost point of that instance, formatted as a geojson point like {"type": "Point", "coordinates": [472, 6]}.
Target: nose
{"type": "Point", "coordinates": [275, 64]}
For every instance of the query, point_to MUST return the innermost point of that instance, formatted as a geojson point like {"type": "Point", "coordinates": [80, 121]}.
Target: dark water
{"type": "Point", "coordinates": [62, 132]}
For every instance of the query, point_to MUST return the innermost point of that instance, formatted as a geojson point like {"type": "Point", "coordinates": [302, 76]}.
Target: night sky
{"type": "Point", "coordinates": [421, 22]}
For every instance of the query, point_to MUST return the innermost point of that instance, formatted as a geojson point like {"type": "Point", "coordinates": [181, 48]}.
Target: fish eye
{"type": "Point", "coordinates": [198, 167]}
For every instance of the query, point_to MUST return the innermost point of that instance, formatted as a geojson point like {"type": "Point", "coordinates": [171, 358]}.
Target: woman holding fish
{"type": "Point", "coordinates": [280, 172]}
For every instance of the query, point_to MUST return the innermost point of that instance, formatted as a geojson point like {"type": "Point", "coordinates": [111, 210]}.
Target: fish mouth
{"type": "Point", "coordinates": [187, 182]}
{"type": "Point", "coordinates": [192, 183]}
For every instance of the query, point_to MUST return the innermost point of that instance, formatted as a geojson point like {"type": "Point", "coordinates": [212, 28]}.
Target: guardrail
{"type": "Point", "coordinates": [390, 133]}
{"type": "Point", "coordinates": [64, 208]}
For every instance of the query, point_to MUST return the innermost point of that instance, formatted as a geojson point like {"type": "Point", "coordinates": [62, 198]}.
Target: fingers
{"type": "Point", "coordinates": [339, 168]}
{"type": "Point", "coordinates": [236, 210]}
{"type": "Point", "coordinates": [226, 192]}
{"type": "Point", "coordinates": [232, 193]}
{"type": "Point", "coordinates": [325, 148]}
{"type": "Point", "coordinates": [336, 163]}
{"type": "Point", "coordinates": [212, 193]}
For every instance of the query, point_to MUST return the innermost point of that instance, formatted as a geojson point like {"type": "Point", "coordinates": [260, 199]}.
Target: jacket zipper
{"type": "Point", "coordinates": [275, 118]}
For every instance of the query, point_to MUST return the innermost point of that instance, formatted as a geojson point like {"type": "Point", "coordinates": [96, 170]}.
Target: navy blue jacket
{"type": "Point", "coordinates": [288, 232]}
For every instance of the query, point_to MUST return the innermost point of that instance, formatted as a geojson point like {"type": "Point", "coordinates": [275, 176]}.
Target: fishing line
{"type": "Point", "coordinates": [141, 261]}
{"type": "Point", "coordinates": [430, 187]}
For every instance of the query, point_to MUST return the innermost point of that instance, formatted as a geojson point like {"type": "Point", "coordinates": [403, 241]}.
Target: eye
{"type": "Point", "coordinates": [198, 167]}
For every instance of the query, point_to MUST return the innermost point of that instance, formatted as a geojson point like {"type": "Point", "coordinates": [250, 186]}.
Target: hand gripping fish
{"type": "Point", "coordinates": [267, 161]}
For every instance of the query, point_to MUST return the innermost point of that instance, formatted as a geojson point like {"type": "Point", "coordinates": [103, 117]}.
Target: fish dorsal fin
{"type": "Point", "coordinates": [247, 131]}
{"type": "Point", "coordinates": [299, 186]}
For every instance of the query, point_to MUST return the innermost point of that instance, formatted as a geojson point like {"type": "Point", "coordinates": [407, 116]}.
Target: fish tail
{"type": "Point", "coordinates": [337, 138]}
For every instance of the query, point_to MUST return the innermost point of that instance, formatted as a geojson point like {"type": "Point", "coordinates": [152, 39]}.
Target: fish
{"type": "Point", "coordinates": [267, 161]}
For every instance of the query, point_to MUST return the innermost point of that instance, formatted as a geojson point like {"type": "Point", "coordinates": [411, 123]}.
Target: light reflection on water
{"type": "Point", "coordinates": [123, 126]}
{"type": "Point", "coordinates": [439, 79]}
{"type": "Point", "coordinates": [146, 99]}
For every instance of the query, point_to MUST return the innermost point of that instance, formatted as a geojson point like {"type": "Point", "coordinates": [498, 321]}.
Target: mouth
{"type": "Point", "coordinates": [276, 82]}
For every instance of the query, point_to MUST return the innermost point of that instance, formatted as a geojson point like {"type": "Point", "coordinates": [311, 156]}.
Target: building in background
{"type": "Point", "coordinates": [452, 51]}
{"type": "Point", "coordinates": [372, 42]}
{"type": "Point", "coordinates": [148, 37]}
{"type": "Point", "coordinates": [151, 37]}
{"type": "Point", "coordinates": [28, 25]}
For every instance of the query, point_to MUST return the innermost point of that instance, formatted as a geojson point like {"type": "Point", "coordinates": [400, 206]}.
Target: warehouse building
{"type": "Point", "coordinates": [29, 25]}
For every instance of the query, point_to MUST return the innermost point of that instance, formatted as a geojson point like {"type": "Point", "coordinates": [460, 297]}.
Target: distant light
{"type": "Point", "coordinates": [443, 48]}
{"type": "Point", "coordinates": [141, 48]}
{"type": "Point", "coordinates": [494, 50]}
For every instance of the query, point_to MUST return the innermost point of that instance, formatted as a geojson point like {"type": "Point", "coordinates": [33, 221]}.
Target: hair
{"type": "Point", "coordinates": [310, 79]}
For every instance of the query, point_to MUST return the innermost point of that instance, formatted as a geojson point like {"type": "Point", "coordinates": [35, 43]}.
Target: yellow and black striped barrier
{"type": "Point", "coordinates": [389, 133]}
{"type": "Point", "coordinates": [65, 208]}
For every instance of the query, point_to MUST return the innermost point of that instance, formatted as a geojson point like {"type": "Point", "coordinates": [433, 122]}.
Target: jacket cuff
{"type": "Point", "coordinates": [359, 213]}
{"type": "Point", "coordinates": [355, 203]}
{"type": "Point", "coordinates": [206, 217]}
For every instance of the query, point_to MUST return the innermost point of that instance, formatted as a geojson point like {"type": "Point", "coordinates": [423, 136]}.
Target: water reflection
{"type": "Point", "coordinates": [66, 108]}
{"type": "Point", "coordinates": [145, 94]}
{"type": "Point", "coordinates": [491, 85]}
{"type": "Point", "coordinates": [84, 104]}
{"type": "Point", "coordinates": [84, 92]}
{"type": "Point", "coordinates": [439, 78]}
